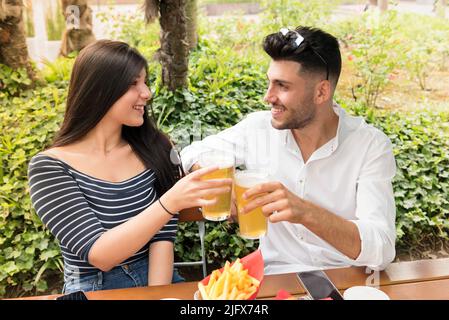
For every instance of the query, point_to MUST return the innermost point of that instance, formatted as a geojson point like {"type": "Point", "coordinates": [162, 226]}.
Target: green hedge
{"type": "Point", "coordinates": [27, 250]}
{"type": "Point", "coordinates": [223, 88]}
{"type": "Point", "coordinates": [421, 185]}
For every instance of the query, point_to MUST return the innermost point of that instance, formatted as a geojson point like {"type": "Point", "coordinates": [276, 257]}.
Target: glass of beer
{"type": "Point", "coordinates": [253, 224]}
{"type": "Point", "coordinates": [221, 210]}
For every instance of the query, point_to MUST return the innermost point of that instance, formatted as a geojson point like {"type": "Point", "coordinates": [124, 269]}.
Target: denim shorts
{"type": "Point", "coordinates": [130, 275]}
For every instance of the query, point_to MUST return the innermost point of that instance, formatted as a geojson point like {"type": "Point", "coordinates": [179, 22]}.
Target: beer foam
{"type": "Point", "coordinates": [221, 160]}
{"type": "Point", "coordinates": [249, 179]}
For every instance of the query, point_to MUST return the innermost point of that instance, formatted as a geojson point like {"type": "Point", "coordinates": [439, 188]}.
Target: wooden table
{"type": "Point", "coordinates": [424, 279]}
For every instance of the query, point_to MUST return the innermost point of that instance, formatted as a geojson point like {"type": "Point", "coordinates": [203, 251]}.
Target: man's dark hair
{"type": "Point", "coordinates": [316, 50]}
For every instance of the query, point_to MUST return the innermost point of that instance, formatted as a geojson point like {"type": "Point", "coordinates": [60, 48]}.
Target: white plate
{"type": "Point", "coordinates": [364, 293]}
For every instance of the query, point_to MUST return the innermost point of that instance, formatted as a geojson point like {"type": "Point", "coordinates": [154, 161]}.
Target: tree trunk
{"type": "Point", "coordinates": [191, 17]}
{"type": "Point", "coordinates": [13, 46]}
{"type": "Point", "coordinates": [78, 33]}
{"type": "Point", "coordinates": [383, 5]}
{"type": "Point", "coordinates": [173, 53]}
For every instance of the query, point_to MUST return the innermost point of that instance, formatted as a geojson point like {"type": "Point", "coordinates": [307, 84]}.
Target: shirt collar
{"type": "Point", "coordinates": [347, 124]}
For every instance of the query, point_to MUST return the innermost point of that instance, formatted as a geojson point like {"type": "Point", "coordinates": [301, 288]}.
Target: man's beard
{"type": "Point", "coordinates": [299, 117]}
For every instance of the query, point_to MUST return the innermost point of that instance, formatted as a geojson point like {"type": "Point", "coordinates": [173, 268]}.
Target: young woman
{"type": "Point", "coordinates": [106, 188]}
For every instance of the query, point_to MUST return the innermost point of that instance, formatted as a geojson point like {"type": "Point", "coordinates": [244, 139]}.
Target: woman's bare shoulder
{"type": "Point", "coordinates": [55, 152]}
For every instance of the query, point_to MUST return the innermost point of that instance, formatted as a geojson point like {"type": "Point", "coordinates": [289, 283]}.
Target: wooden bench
{"type": "Point", "coordinates": [343, 278]}
{"type": "Point", "coordinates": [398, 272]}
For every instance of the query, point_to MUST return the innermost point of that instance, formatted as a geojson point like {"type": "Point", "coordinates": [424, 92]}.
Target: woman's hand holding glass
{"type": "Point", "coordinates": [191, 191]}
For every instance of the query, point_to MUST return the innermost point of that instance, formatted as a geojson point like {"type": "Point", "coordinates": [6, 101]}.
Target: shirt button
{"type": "Point", "coordinates": [301, 181]}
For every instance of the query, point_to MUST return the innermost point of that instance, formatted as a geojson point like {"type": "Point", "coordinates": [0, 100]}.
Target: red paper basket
{"type": "Point", "coordinates": [254, 263]}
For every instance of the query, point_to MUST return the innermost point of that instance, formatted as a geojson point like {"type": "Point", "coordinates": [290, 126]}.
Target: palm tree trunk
{"type": "Point", "coordinates": [191, 16]}
{"type": "Point", "coordinates": [13, 46]}
{"type": "Point", "coordinates": [173, 53]}
{"type": "Point", "coordinates": [78, 33]}
{"type": "Point", "coordinates": [383, 5]}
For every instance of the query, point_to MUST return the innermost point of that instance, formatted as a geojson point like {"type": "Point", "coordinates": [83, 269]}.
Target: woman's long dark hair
{"type": "Point", "coordinates": [102, 73]}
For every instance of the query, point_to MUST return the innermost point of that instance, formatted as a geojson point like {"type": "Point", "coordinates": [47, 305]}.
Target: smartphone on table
{"type": "Point", "coordinates": [318, 285]}
{"type": "Point", "coordinates": [77, 295]}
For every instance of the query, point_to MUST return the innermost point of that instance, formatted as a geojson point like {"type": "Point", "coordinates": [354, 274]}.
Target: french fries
{"type": "Point", "coordinates": [234, 283]}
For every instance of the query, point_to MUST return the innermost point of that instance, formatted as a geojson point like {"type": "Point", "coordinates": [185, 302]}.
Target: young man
{"type": "Point", "coordinates": [331, 201]}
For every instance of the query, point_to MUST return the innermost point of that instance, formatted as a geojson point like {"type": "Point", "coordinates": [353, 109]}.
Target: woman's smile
{"type": "Point", "coordinates": [139, 108]}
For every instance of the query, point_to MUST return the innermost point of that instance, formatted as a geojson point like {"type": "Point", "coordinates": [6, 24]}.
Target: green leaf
{"type": "Point", "coordinates": [10, 268]}
{"type": "Point", "coordinates": [48, 254]}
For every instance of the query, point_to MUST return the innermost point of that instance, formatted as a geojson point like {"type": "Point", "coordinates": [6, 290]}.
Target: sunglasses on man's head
{"type": "Point", "coordinates": [298, 40]}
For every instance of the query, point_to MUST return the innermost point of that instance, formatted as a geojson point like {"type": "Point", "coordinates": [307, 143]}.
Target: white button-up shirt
{"type": "Point", "coordinates": [350, 176]}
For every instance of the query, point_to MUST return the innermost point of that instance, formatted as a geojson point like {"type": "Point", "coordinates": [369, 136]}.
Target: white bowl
{"type": "Point", "coordinates": [364, 293]}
